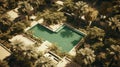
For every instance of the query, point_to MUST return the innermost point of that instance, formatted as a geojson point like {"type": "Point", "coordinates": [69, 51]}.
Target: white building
{"type": "Point", "coordinates": [12, 14]}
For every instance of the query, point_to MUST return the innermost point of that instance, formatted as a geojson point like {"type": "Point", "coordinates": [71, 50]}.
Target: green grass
{"type": "Point", "coordinates": [65, 39]}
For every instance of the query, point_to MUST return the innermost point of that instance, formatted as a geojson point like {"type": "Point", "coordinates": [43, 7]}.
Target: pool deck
{"type": "Point", "coordinates": [44, 47]}
{"type": "Point", "coordinates": [55, 27]}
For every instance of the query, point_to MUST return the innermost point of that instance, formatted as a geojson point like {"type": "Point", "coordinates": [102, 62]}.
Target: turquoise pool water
{"type": "Point", "coordinates": [65, 39]}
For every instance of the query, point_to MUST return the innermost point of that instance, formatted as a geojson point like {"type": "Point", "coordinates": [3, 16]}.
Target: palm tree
{"type": "Point", "coordinates": [85, 56]}
{"type": "Point", "coordinates": [3, 64]}
{"type": "Point", "coordinates": [52, 17]}
{"type": "Point", "coordinates": [114, 24]}
{"type": "Point", "coordinates": [22, 56]}
{"type": "Point", "coordinates": [4, 23]}
{"type": "Point", "coordinates": [95, 33]}
{"type": "Point", "coordinates": [55, 49]}
{"type": "Point", "coordinates": [3, 5]}
{"type": "Point", "coordinates": [100, 60]}
{"type": "Point", "coordinates": [72, 64]}
{"type": "Point", "coordinates": [12, 4]}
{"type": "Point", "coordinates": [115, 56]}
{"type": "Point", "coordinates": [37, 2]}
{"type": "Point", "coordinates": [17, 28]}
{"type": "Point", "coordinates": [91, 15]}
{"type": "Point", "coordinates": [44, 62]}
{"type": "Point", "coordinates": [77, 10]}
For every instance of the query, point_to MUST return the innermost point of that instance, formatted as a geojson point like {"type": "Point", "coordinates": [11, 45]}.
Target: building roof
{"type": "Point", "coordinates": [3, 52]}
{"type": "Point", "coordinates": [22, 39]}
{"type": "Point", "coordinates": [12, 14]}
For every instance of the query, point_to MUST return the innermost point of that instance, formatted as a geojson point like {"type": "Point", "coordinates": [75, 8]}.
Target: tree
{"type": "Point", "coordinates": [44, 62]}
{"type": "Point", "coordinates": [98, 46]}
{"type": "Point", "coordinates": [114, 54]}
{"type": "Point", "coordinates": [5, 25]}
{"type": "Point", "coordinates": [100, 60]}
{"type": "Point", "coordinates": [75, 9]}
{"type": "Point", "coordinates": [109, 8]}
{"type": "Point", "coordinates": [3, 64]}
{"type": "Point", "coordinates": [12, 4]}
{"type": "Point", "coordinates": [55, 49]}
{"type": "Point", "coordinates": [95, 34]}
{"type": "Point", "coordinates": [78, 9]}
{"type": "Point", "coordinates": [52, 17]}
{"type": "Point", "coordinates": [105, 8]}
{"type": "Point", "coordinates": [22, 56]}
{"type": "Point", "coordinates": [72, 64]}
{"type": "Point", "coordinates": [3, 6]}
{"type": "Point", "coordinates": [91, 15]}
{"type": "Point", "coordinates": [85, 56]}
{"type": "Point", "coordinates": [36, 3]}
{"type": "Point", "coordinates": [17, 28]}
{"type": "Point", "coordinates": [27, 56]}
{"type": "Point", "coordinates": [112, 24]}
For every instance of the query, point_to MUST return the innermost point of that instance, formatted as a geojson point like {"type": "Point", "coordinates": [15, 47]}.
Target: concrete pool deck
{"type": "Point", "coordinates": [44, 47]}
{"type": "Point", "coordinates": [34, 23]}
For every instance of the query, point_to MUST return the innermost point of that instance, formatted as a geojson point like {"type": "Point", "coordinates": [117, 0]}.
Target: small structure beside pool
{"type": "Point", "coordinates": [12, 14]}
{"type": "Point", "coordinates": [22, 39]}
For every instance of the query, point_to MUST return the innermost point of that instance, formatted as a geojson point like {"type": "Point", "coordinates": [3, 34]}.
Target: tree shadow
{"type": "Point", "coordinates": [67, 33]}
{"type": "Point", "coordinates": [72, 64]}
{"type": "Point", "coordinates": [74, 42]}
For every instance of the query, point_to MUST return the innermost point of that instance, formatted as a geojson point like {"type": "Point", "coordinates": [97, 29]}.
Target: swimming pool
{"type": "Point", "coordinates": [66, 38]}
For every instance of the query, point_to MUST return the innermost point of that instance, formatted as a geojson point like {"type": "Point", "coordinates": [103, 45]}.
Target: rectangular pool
{"type": "Point", "coordinates": [66, 38]}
